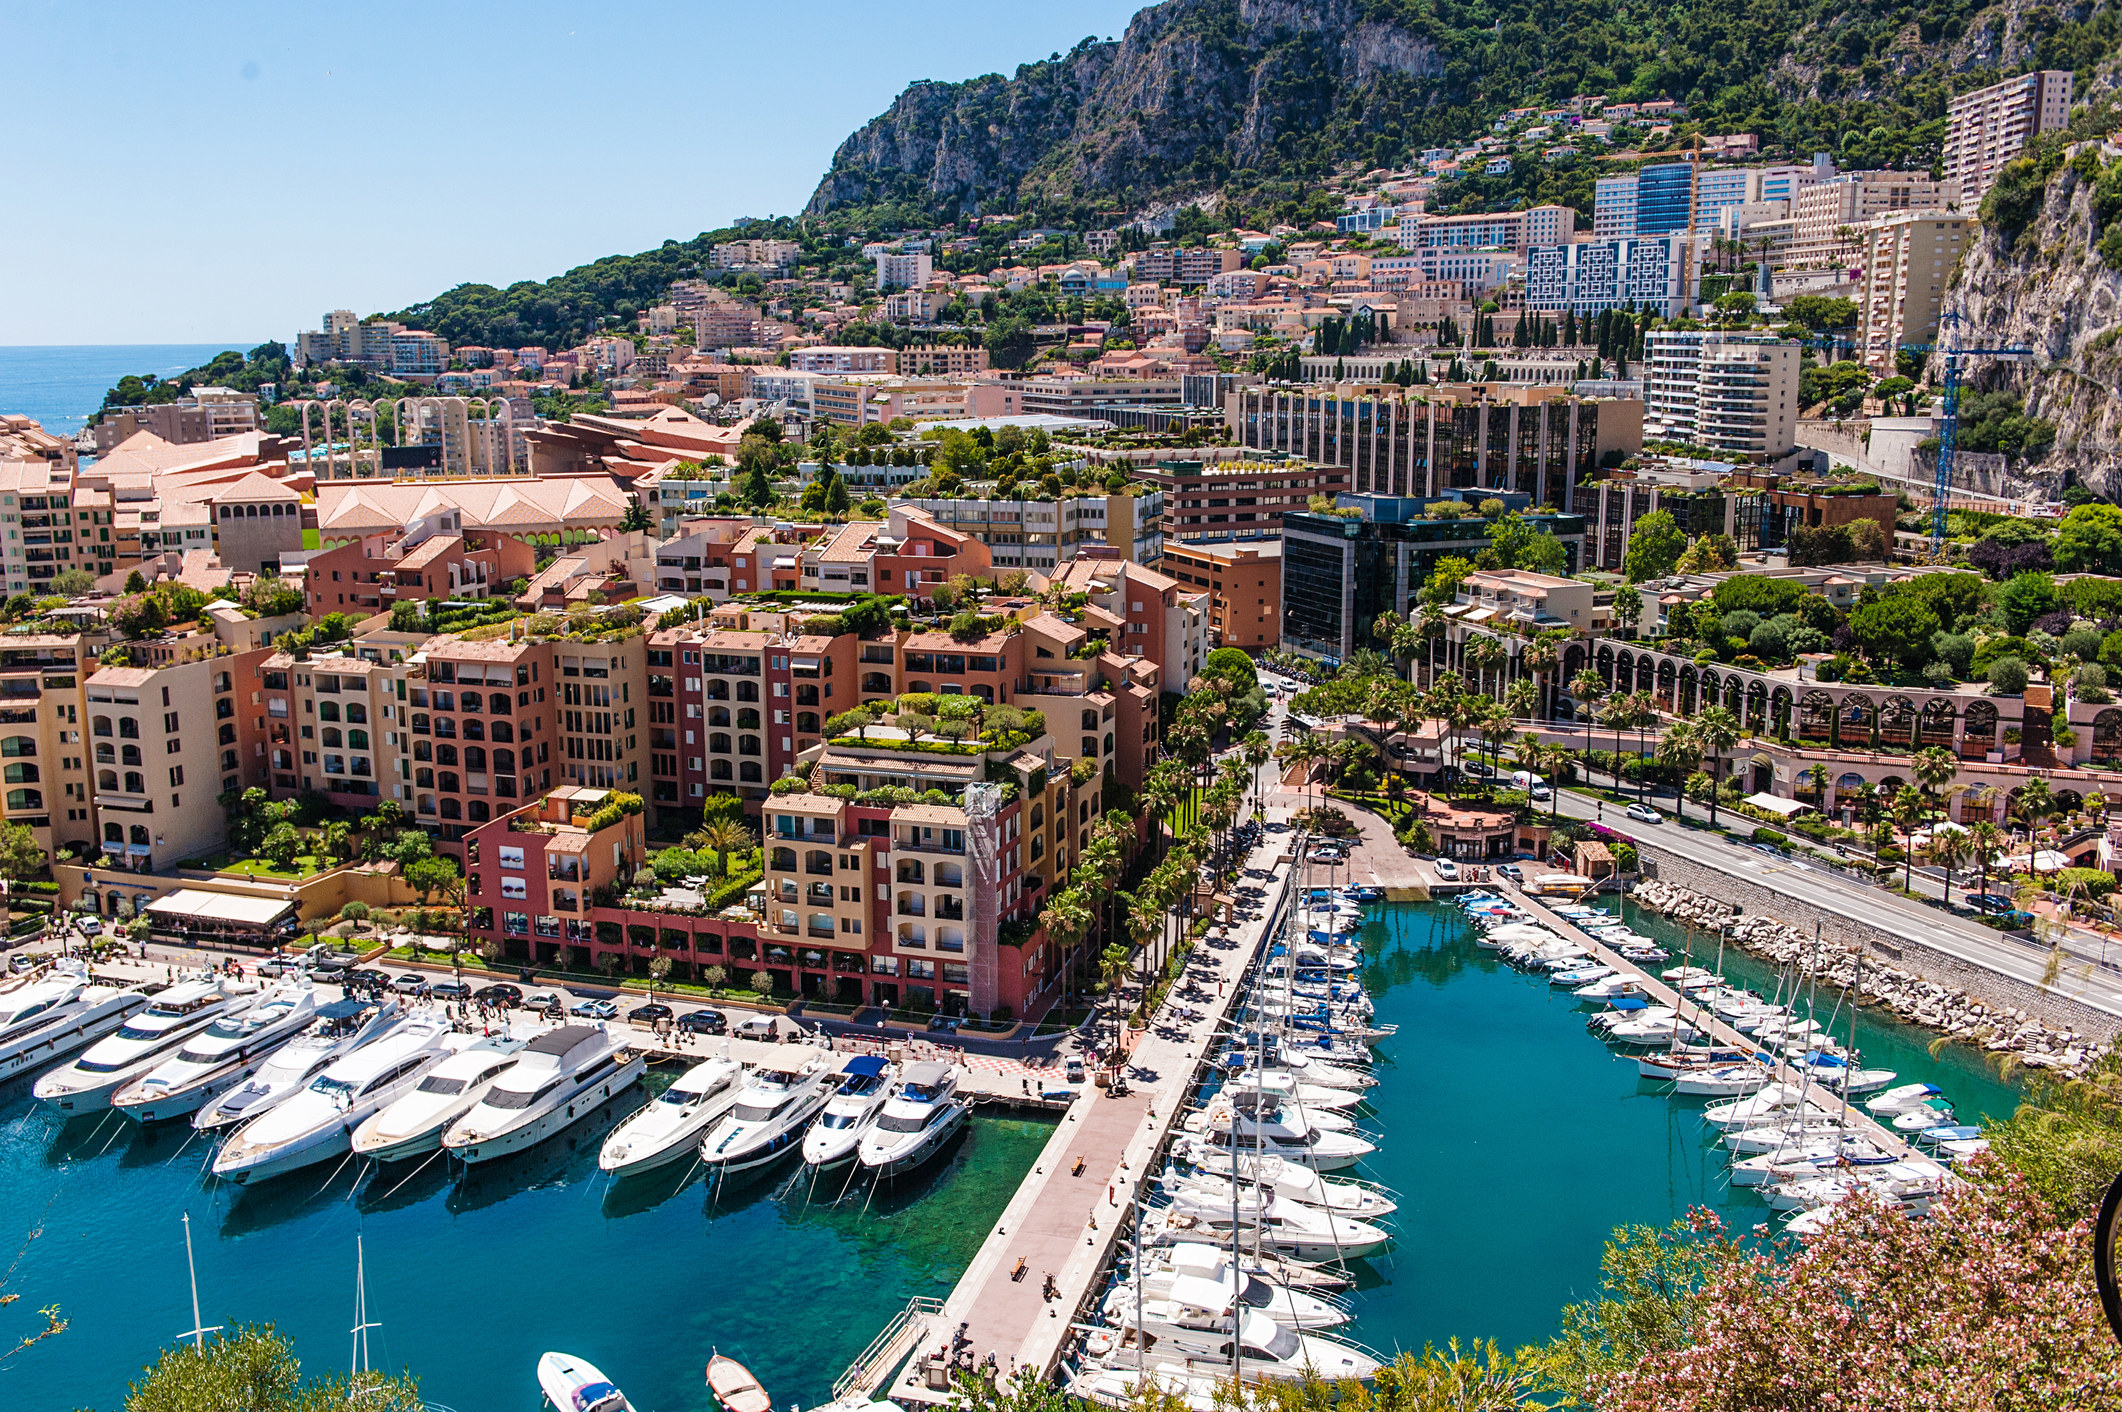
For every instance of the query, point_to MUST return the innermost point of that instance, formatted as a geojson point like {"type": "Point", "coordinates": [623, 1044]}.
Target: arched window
{"type": "Point", "coordinates": [139, 834]}
{"type": "Point", "coordinates": [475, 730]}
{"type": "Point", "coordinates": [475, 758]}
{"type": "Point", "coordinates": [476, 812]}
{"type": "Point", "coordinates": [749, 773]}
{"type": "Point", "coordinates": [19, 774]}
{"type": "Point", "coordinates": [101, 725]}
{"type": "Point", "coordinates": [423, 750]}
{"type": "Point", "coordinates": [331, 737]}
{"type": "Point", "coordinates": [501, 731]}
{"type": "Point", "coordinates": [807, 722]}
{"type": "Point", "coordinates": [112, 833]}
{"type": "Point", "coordinates": [129, 755]}
{"type": "Point", "coordinates": [228, 759]}
{"type": "Point", "coordinates": [473, 701]}
{"type": "Point", "coordinates": [107, 780]}
{"type": "Point", "coordinates": [228, 734]}
{"type": "Point", "coordinates": [747, 719]}
{"type": "Point", "coordinates": [718, 716]}
{"type": "Point", "coordinates": [718, 769]}
{"type": "Point", "coordinates": [451, 809]}
{"type": "Point", "coordinates": [24, 799]}
{"type": "Point", "coordinates": [327, 710]}
{"type": "Point", "coordinates": [445, 754]}
{"type": "Point", "coordinates": [504, 762]}
{"type": "Point", "coordinates": [747, 691]}
{"type": "Point", "coordinates": [784, 860]}
{"type": "Point", "coordinates": [357, 740]}
{"type": "Point", "coordinates": [446, 781]}
{"type": "Point", "coordinates": [718, 743]}
{"type": "Point", "coordinates": [105, 755]}
{"type": "Point", "coordinates": [356, 713]}
{"type": "Point", "coordinates": [128, 728]}
{"type": "Point", "coordinates": [17, 747]}
{"type": "Point", "coordinates": [134, 784]}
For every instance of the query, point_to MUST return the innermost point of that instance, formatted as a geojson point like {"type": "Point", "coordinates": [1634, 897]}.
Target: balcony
{"type": "Point", "coordinates": [950, 909]}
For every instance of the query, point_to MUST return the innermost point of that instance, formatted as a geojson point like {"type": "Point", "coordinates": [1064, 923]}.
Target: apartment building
{"type": "Point", "coordinates": [339, 723]}
{"type": "Point", "coordinates": [1517, 231]}
{"type": "Point", "coordinates": [904, 270]}
{"type": "Point", "coordinates": [1208, 502]}
{"type": "Point", "coordinates": [943, 360]}
{"type": "Point", "coordinates": [1519, 601]}
{"type": "Point", "coordinates": [1832, 215]}
{"type": "Point", "coordinates": [1244, 583]}
{"type": "Point", "coordinates": [1990, 126]}
{"type": "Point", "coordinates": [166, 735]}
{"type": "Point", "coordinates": [1717, 188]}
{"type": "Point", "coordinates": [432, 563]}
{"type": "Point", "coordinates": [1908, 262]}
{"type": "Point", "coordinates": [754, 254]}
{"type": "Point", "coordinates": [36, 509]}
{"type": "Point", "coordinates": [1653, 200]}
{"type": "Point", "coordinates": [1041, 534]}
{"type": "Point", "coordinates": [1148, 614]}
{"type": "Point", "coordinates": [1736, 394]}
{"type": "Point", "coordinates": [1079, 396]}
{"type": "Point", "coordinates": [1590, 276]}
{"type": "Point", "coordinates": [42, 761]}
{"type": "Point", "coordinates": [375, 343]}
{"type": "Point", "coordinates": [208, 414]}
{"type": "Point", "coordinates": [829, 358]}
{"type": "Point", "coordinates": [1532, 439]}
{"type": "Point", "coordinates": [1186, 268]}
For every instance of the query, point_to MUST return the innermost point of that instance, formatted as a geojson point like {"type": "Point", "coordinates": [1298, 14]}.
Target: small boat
{"type": "Point", "coordinates": [1902, 1099]}
{"type": "Point", "coordinates": [573, 1384]}
{"type": "Point", "coordinates": [836, 1134]}
{"type": "Point", "coordinates": [1722, 1080]}
{"type": "Point", "coordinates": [670, 1128]}
{"type": "Point", "coordinates": [734, 1386]}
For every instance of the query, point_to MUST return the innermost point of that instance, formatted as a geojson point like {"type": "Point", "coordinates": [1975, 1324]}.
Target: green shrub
{"type": "Point", "coordinates": [1771, 837]}
{"type": "Point", "coordinates": [2094, 882]}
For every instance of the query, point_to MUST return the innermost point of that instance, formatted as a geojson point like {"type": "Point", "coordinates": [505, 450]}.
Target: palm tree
{"type": "Point", "coordinates": [1431, 622]}
{"type": "Point", "coordinates": [1949, 848]}
{"type": "Point", "coordinates": [1067, 920]}
{"type": "Point", "coordinates": [1618, 716]}
{"type": "Point", "coordinates": [1717, 731]}
{"type": "Point", "coordinates": [1909, 807]}
{"type": "Point", "coordinates": [1817, 777]}
{"type": "Point", "coordinates": [1521, 699]}
{"type": "Point", "coordinates": [2033, 804]}
{"type": "Point", "coordinates": [1680, 751]}
{"type": "Point", "coordinates": [1540, 657]}
{"type": "Point", "coordinates": [1485, 654]}
{"type": "Point", "coordinates": [1934, 767]}
{"type": "Point", "coordinates": [1258, 751]}
{"type": "Point", "coordinates": [1646, 715]}
{"type": "Point", "coordinates": [1588, 689]}
{"type": "Point", "coordinates": [1983, 838]}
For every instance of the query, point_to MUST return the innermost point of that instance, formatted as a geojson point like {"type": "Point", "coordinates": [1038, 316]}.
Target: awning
{"type": "Point", "coordinates": [1778, 805]}
{"type": "Point", "coordinates": [192, 904]}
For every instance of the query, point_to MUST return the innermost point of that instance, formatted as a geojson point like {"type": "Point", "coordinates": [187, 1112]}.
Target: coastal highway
{"type": "Point", "coordinates": [2081, 977]}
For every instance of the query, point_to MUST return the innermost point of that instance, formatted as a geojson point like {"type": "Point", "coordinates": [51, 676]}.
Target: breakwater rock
{"type": "Point", "coordinates": [1912, 998]}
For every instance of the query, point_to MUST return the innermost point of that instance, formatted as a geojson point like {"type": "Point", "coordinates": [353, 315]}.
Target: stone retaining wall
{"type": "Point", "coordinates": [1920, 962]}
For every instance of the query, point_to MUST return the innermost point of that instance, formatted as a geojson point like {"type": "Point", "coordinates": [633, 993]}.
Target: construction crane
{"type": "Point", "coordinates": [1949, 415]}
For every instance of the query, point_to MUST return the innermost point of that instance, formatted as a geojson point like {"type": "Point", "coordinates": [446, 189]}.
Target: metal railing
{"type": "Point", "coordinates": [900, 1335]}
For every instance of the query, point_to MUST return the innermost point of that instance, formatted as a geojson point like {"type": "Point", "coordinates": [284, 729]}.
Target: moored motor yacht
{"type": "Point", "coordinates": [338, 1029]}
{"type": "Point", "coordinates": [669, 1128]}
{"type": "Point", "coordinates": [317, 1124]}
{"type": "Point", "coordinates": [1291, 1308]}
{"type": "Point", "coordinates": [768, 1118]}
{"type": "Point", "coordinates": [1191, 1325]}
{"type": "Point", "coordinates": [1297, 1183]}
{"type": "Point", "coordinates": [915, 1122]}
{"type": "Point", "coordinates": [1901, 1099]}
{"type": "Point", "coordinates": [836, 1134]}
{"type": "Point", "coordinates": [1765, 1105]}
{"type": "Point", "coordinates": [1287, 1137]}
{"type": "Point", "coordinates": [143, 1041]}
{"type": "Point", "coordinates": [49, 1016]}
{"type": "Point", "coordinates": [1722, 1080]}
{"type": "Point", "coordinates": [230, 1050]}
{"type": "Point", "coordinates": [414, 1124]}
{"type": "Point", "coordinates": [558, 1079]}
{"type": "Point", "coordinates": [573, 1384]}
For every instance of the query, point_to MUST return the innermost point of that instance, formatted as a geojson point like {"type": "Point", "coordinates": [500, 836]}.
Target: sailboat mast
{"type": "Point", "coordinates": [191, 1268]}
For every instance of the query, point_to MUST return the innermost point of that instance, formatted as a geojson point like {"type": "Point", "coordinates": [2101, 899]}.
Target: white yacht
{"type": "Point", "coordinates": [317, 1124]}
{"type": "Point", "coordinates": [413, 1125]}
{"type": "Point", "coordinates": [865, 1086]}
{"type": "Point", "coordinates": [230, 1051]}
{"type": "Point", "coordinates": [142, 1042]}
{"type": "Point", "coordinates": [558, 1079]}
{"type": "Point", "coordinates": [1284, 1227]}
{"type": "Point", "coordinates": [339, 1028]}
{"type": "Point", "coordinates": [1298, 1183]}
{"type": "Point", "coordinates": [1283, 1135]}
{"type": "Point", "coordinates": [52, 1015]}
{"type": "Point", "coordinates": [916, 1120]}
{"type": "Point", "coordinates": [1280, 1084]}
{"type": "Point", "coordinates": [1191, 1327]}
{"type": "Point", "coordinates": [573, 1384]}
{"type": "Point", "coordinates": [670, 1128]}
{"type": "Point", "coordinates": [1291, 1308]}
{"type": "Point", "coordinates": [768, 1117]}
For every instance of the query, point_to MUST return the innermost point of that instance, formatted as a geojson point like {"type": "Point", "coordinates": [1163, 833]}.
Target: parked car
{"type": "Point", "coordinates": [331, 966]}
{"type": "Point", "coordinates": [1478, 767]}
{"type": "Point", "coordinates": [412, 983]}
{"type": "Point", "coordinates": [450, 990]}
{"type": "Point", "coordinates": [704, 1022]}
{"type": "Point", "coordinates": [1994, 903]}
{"type": "Point", "coordinates": [756, 1027]}
{"type": "Point", "coordinates": [1644, 814]}
{"type": "Point", "coordinates": [648, 1014]}
{"type": "Point", "coordinates": [91, 926]}
{"type": "Point", "coordinates": [944, 1024]}
{"type": "Point", "coordinates": [362, 978]}
{"type": "Point", "coordinates": [595, 1009]}
{"type": "Point", "coordinates": [500, 995]}
{"type": "Point", "coordinates": [552, 1002]}
{"type": "Point", "coordinates": [16, 965]}
{"type": "Point", "coordinates": [283, 965]}
{"type": "Point", "coordinates": [1447, 870]}
{"type": "Point", "coordinates": [1512, 871]}
{"type": "Point", "coordinates": [1074, 1068]}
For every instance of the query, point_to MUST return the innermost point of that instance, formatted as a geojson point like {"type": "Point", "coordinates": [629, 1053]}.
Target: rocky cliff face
{"type": "Point", "coordinates": [1194, 91]}
{"type": "Point", "coordinates": [2047, 286]}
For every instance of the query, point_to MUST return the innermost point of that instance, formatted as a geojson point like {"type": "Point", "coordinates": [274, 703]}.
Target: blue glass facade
{"type": "Point", "coordinates": [1663, 195]}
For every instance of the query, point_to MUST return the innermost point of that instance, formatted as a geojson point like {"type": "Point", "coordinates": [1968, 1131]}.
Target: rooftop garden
{"type": "Point", "coordinates": [928, 722]}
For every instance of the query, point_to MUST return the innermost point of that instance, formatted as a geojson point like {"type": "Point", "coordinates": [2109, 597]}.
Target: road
{"type": "Point", "coordinates": [2081, 978]}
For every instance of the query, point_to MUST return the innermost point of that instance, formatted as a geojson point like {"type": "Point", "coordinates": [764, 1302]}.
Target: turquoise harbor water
{"type": "Point", "coordinates": [1517, 1142]}
{"type": "Point", "coordinates": [472, 1278]}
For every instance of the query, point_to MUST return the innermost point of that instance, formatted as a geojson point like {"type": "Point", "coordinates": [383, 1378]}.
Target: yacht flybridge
{"type": "Point", "coordinates": [559, 1079]}
{"type": "Point", "coordinates": [232, 1049]}
{"type": "Point", "coordinates": [141, 1043]}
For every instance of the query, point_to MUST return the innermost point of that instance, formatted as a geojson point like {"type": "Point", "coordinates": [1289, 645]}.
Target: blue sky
{"type": "Point", "coordinates": [185, 173]}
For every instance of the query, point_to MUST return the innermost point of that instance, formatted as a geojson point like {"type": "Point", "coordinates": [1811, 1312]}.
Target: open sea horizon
{"type": "Point", "coordinates": [61, 385]}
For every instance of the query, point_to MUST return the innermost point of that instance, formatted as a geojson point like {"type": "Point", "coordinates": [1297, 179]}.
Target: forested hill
{"type": "Point", "coordinates": [1255, 98]}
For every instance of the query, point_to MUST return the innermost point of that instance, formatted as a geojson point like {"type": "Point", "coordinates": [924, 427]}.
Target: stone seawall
{"type": "Point", "coordinates": [1908, 966]}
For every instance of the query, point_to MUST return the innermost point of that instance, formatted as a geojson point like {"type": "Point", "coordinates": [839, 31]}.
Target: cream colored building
{"type": "Point", "coordinates": [1831, 217]}
{"type": "Point", "coordinates": [1909, 260]}
{"type": "Point", "coordinates": [1990, 126]}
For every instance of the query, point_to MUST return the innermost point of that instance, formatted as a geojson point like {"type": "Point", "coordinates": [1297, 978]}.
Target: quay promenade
{"type": "Point", "coordinates": [1818, 1103]}
{"type": "Point", "coordinates": [1066, 1220]}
